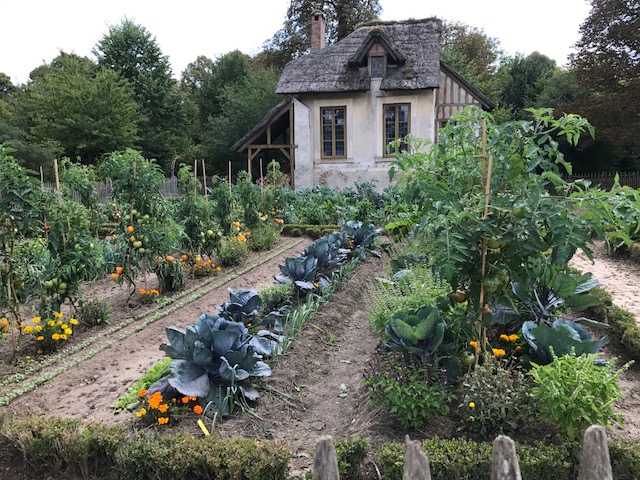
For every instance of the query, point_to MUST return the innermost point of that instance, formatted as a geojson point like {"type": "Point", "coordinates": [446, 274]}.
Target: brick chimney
{"type": "Point", "coordinates": [318, 27]}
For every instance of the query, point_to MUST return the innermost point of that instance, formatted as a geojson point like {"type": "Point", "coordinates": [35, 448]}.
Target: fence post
{"type": "Point", "coordinates": [416, 463]}
{"type": "Point", "coordinates": [325, 465]}
{"type": "Point", "coordinates": [594, 459]}
{"type": "Point", "coordinates": [504, 462]}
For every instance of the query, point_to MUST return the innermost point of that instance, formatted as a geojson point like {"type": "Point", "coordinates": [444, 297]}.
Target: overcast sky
{"type": "Point", "coordinates": [34, 32]}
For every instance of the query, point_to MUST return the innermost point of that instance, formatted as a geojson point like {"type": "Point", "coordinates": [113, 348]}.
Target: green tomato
{"type": "Point", "coordinates": [520, 211]}
{"type": "Point", "coordinates": [468, 359]}
{"type": "Point", "coordinates": [493, 244]}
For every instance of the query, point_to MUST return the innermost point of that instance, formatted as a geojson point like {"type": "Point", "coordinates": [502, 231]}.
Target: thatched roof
{"type": "Point", "coordinates": [413, 52]}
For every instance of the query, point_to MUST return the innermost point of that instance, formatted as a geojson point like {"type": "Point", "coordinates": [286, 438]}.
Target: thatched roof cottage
{"type": "Point", "coordinates": [346, 102]}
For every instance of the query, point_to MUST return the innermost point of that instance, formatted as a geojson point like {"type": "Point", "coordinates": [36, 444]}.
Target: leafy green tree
{"type": "Point", "coordinates": [607, 62]}
{"type": "Point", "coordinates": [524, 80]}
{"type": "Point", "coordinates": [472, 54]}
{"type": "Point", "coordinates": [294, 38]}
{"type": "Point", "coordinates": [242, 106]}
{"type": "Point", "coordinates": [6, 87]}
{"type": "Point", "coordinates": [84, 111]}
{"type": "Point", "coordinates": [134, 53]}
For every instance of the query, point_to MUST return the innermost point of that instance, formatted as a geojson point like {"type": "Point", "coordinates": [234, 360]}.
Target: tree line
{"type": "Point", "coordinates": [126, 96]}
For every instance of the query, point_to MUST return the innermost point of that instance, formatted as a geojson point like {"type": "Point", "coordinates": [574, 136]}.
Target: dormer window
{"type": "Point", "coordinates": [376, 66]}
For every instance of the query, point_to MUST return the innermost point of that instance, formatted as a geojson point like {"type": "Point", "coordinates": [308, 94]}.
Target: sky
{"type": "Point", "coordinates": [34, 32]}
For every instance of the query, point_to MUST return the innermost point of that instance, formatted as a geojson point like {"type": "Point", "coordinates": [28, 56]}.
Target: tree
{"type": "Point", "coordinates": [6, 87]}
{"type": "Point", "coordinates": [243, 104]}
{"type": "Point", "coordinates": [473, 54]}
{"type": "Point", "coordinates": [607, 62]}
{"type": "Point", "coordinates": [524, 80]}
{"type": "Point", "coordinates": [294, 38]}
{"type": "Point", "coordinates": [85, 111]}
{"type": "Point", "coordinates": [130, 50]}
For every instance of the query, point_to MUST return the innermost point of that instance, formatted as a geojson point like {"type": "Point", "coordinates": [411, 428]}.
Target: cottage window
{"type": "Point", "coordinates": [376, 65]}
{"type": "Point", "coordinates": [333, 132]}
{"type": "Point", "coordinates": [396, 127]}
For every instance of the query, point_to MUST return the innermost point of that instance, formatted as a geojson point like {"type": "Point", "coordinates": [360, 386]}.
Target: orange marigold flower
{"type": "Point", "coordinates": [163, 420]}
{"type": "Point", "coordinates": [504, 337]}
{"type": "Point", "coordinates": [169, 258]}
{"type": "Point", "coordinates": [163, 408]}
{"type": "Point", "coordinates": [499, 352]}
{"type": "Point", "coordinates": [118, 270]}
{"type": "Point", "coordinates": [155, 400]}
{"type": "Point", "coordinates": [513, 337]}
{"type": "Point", "coordinates": [198, 409]}
{"type": "Point", "coordinates": [473, 343]}
{"type": "Point", "coordinates": [185, 399]}
{"type": "Point", "coordinates": [518, 348]}
{"type": "Point", "coordinates": [142, 393]}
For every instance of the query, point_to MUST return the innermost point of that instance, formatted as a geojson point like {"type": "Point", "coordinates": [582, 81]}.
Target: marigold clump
{"type": "Point", "coordinates": [198, 409]}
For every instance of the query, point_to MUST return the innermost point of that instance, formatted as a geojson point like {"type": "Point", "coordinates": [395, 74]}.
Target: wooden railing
{"type": "Point", "coordinates": [595, 463]}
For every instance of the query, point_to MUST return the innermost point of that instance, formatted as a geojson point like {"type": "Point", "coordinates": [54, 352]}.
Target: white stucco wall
{"type": "Point", "coordinates": [364, 136]}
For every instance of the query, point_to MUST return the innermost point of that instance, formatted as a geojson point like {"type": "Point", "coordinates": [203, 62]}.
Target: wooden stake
{"type": "Point", "coordinates": [195, 175]}
{"type": "Point", "coordinates": [261, 178]}
{"type": "Point", "coordinates": [482, 337]}
{"type": "Point", "coordinates": [41, 177]}
{"type": "Point", "coordinates": [204, 177]}
{"type": "Point", "coordinates": [55, 170]}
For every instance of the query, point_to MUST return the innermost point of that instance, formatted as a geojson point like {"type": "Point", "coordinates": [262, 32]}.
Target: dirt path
{"type": "Point", "coordinates": [89, 389]}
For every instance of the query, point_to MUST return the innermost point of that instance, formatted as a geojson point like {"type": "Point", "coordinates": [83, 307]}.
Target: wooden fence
{"type": "Point", "coordinates": [605, 180]}
{"type": "Point", "coordinates": [595, 463]}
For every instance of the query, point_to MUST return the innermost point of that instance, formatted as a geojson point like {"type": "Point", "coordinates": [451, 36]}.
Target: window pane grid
{"type": "Point", "coordinates": [333, 132]}
{"type": "Point", "coordinates": [396, 127]}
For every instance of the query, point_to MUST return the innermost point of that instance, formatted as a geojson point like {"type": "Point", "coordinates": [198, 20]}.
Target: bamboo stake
{"type": "Point", "coordinates": [55, 171]}
{"type": "Point", "coordinates": [204, 177]}
{"type": "Point", "coordinates": [41, 177]}
{"type": "Point", "coordinates": [261, 179]}
{"type": "Point", "coordinates": [195, 176]}
{"type": "Point", "coordinates": [487, 190]}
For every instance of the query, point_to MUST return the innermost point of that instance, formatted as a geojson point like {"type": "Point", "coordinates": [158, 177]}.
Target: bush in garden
{"type": "Point", "coordinates": [275, 296]}
{"type": "Point", "coordinates": [50, 333]}
{"type": "Point", "coordinates": [409, 392]}
{"type": "Point", "coordinates": [575, 392]}
{"type": "Point", "coordinates": [264, 236]}
{"type": "Point", "coordinates": [172, 274]}
{"type": "Point", "coordinates": [94, 313]}
{"type": "Point", "coordinates": [233, 250]}
{"type": "Point", "coordinates": [351, 452]}
{"type": "Point", "coordinates": [495, 400]}
{"type": "Point", "coordinates": [248, 195]}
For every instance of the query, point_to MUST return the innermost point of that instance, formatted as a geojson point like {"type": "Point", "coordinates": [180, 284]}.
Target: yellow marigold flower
{"type": "Point", "coordinates": [59, 322]}
{"type": "Point", "coordinates": [472, 405]}
{"type": "Point", "coordinates": [504, 337]}
{"type": "Point", "coordinates": [73, 321]}
{"type": "Point", "coordinates": [68, 331]}
{"type": "Point", "coordinates": [51, 323]}
{"type": "Point", "coordinates": [27, 329]}
{"type": "Point", "coordinates": [141, 412]}
{"type": "Point", "coordinates": [64, 326]}
{"type": "Point", "coordinates": [37, 328]}
{"type": "Point", "coordinates": [35, 319]}
{"type": "Point", "coordinates": [163, 408]}
{"type": "Point", "coordinates": [473, 343]}
{"type": "Point", "coordinates": [63, 336]}
{"type": "Point", "coordinates": [58, 314]}
{"type": "Point", "coordinates": [499, 352]}
{"type": "Point", "coordinates": [40, 338]}
{"type": "Point", "coordinates": [55, 336]}
{"type": "Point", "coordinates": [155, 292]}
{"type": "Point", "coordinates": [163, 420]}
{"type": "Point", "coordinates": [513, 337]}
{"type": "Point", "coordinates": [218, 269]}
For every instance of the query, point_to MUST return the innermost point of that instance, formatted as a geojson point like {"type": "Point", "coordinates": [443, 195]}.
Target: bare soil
{"type": "Point", "coordinates": [316, 389]}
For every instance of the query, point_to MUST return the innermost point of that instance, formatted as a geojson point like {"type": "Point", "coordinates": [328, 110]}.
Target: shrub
{"type": "Point", "coordinates": [495, 400]}
{"type": "Point", "coordinates": [276, 296]}
{"type": "Point", "coordinates": [351, 452]}
{"type": "Point", "coordinates": [172, 274]}
{"type": "Point", "coordinates": [50, 333]}
{"type": "Point", "coordinates": [575, 392]}
{"type": "Point", "coordinates": [233, 250]}
{"type": "Point", "coordinates": [94, 313]}
{"type": "Point", "coordinates": [264, 236]}
{"type": "Point", "coordinates": [407, 391]}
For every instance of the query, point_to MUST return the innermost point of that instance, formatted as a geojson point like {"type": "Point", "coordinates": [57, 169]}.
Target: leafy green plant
{"type": "Point", "coordinates": [562, 337]}
{"type": "Point", "coordinates": [94, 313]}
{"type": "Point", "coordinates": [275, 296]}
{"type": "Point", "coordinates": [172, 274]}
{"type": "Point", "coordinates": [575, 392]}
{"type": "Point", "coordinates": [243, 306]}
{"type": "Point", "coordinates": [495, 400]}
{"type": "Point", "coordinates": [417, 332]}
{"type": "Point", "coordinates": [409, 392]}
{"type": "Point", "coordinates": [301, 271]}
{"type": "Point", "coordinates": [233, 250]}
{"type": "Point", "coordinates": [213, 355]}
{"type": "Point", "coordinates": [264, 236]}
{"type": "Point", "coordinates": [351, 452]}
{"type": "Point", "coordinates": [131, 399]}
{"type": "Point", "coordinates": [361, 235]}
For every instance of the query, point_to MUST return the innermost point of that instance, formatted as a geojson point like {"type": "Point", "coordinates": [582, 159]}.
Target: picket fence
{"type": "Point", "coordinates": [595, 463]}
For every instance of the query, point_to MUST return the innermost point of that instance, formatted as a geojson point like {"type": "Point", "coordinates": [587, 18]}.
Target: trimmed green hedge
{"type": "Point", "coordinates": [469, 460]}
{"type": "Point", "coordinates": [313, 231]}
{"type": "Point", "coordinates": [62, 447]}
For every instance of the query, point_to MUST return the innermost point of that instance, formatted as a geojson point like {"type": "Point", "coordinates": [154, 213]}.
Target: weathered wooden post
{"type": "Point", "coordinates": [504, 462]}
{"type": "Point", "coordinates": [594, 459]}
{"type": "Point", "coordinates": [325, 465]}
{"type": "Point", "coordinates": [416, 463]}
